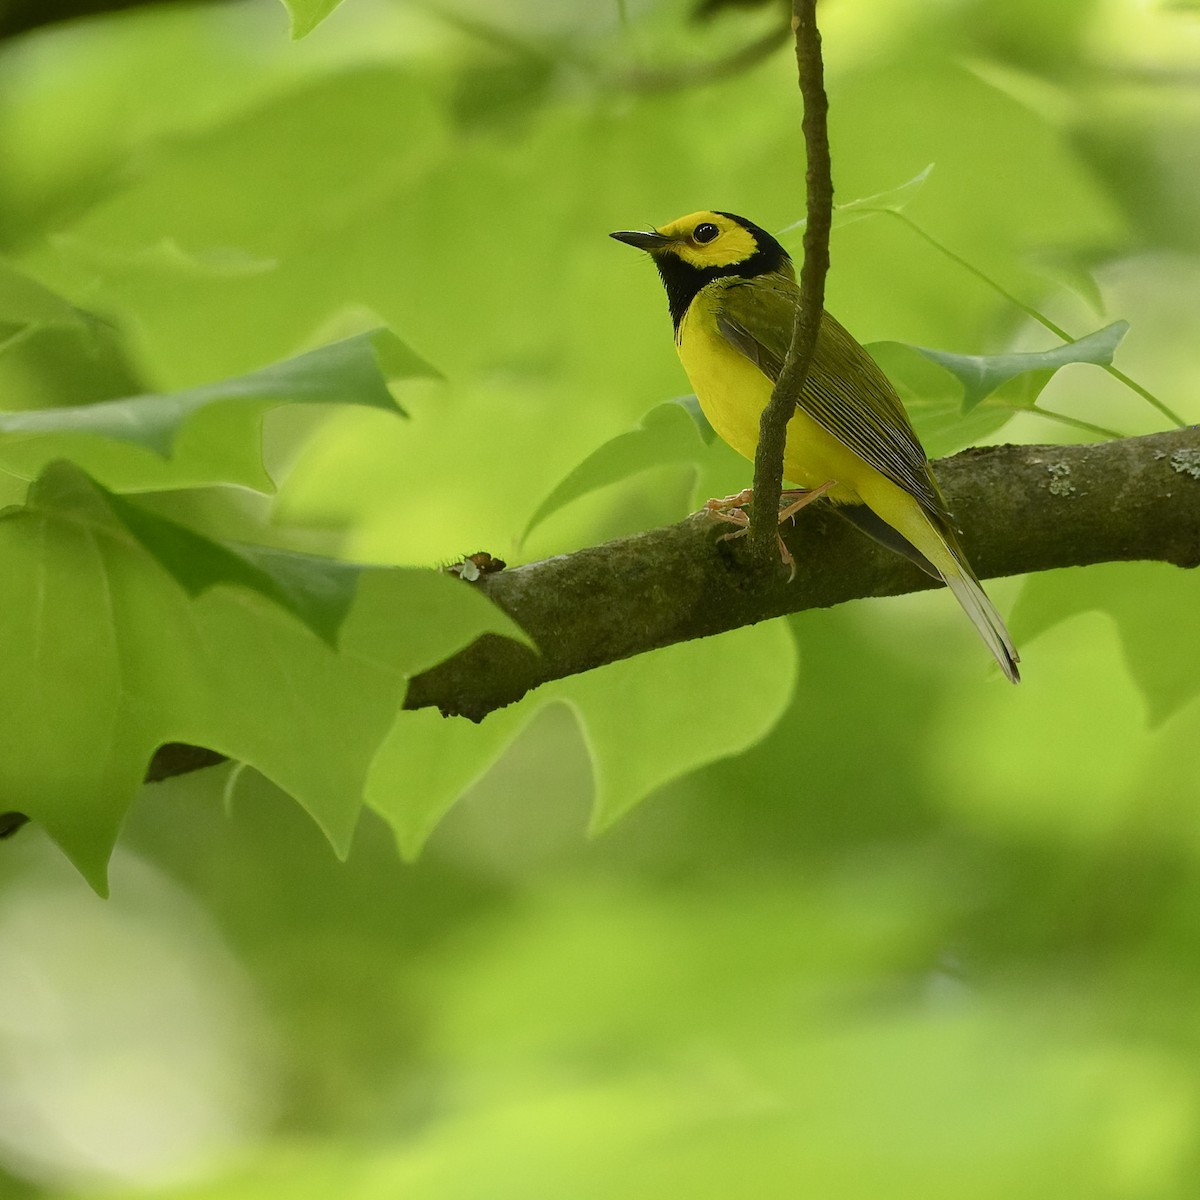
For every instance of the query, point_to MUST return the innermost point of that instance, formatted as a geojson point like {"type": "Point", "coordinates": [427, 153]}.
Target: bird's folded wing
{"type": "Point", "coordinates": [845, 393]}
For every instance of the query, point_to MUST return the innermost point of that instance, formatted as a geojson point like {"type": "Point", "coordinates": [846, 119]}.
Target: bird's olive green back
{"type": "Point", "coordinates": [845, 393]}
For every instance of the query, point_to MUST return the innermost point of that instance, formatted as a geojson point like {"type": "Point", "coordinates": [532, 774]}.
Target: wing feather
{"type": "Point", "coordinates": [845, 393]}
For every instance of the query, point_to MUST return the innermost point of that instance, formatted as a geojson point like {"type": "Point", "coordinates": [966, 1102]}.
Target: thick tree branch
{"type": "Point", "coordinates": [772, 433]}
{"type": "Point", "coordinates": [1021, 508]}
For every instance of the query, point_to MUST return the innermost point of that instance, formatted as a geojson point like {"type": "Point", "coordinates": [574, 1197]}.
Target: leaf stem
{"type": "Point", "coordinates": [1063, 419]}
{"type": "Point", "coordinates": [1146, 395]}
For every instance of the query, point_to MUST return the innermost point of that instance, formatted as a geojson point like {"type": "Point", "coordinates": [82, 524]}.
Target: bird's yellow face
{"type": "Point", "coordinates": [702, 247]}
{"type": "Point", "coordinates": [701, 239]}
{"type": "Point", "coordinates": [709, 239]}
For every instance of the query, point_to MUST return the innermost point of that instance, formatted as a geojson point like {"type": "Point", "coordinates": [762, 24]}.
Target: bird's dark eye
{"type": "Point", "coordinates": [705, 233]}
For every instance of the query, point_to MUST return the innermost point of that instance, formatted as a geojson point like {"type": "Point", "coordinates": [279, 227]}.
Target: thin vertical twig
{"type": "Point", "coordinates": [768, 459]}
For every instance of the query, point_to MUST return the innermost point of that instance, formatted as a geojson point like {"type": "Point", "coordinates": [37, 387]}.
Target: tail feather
{"type": "Point", "coordinates": [970, 594]}
{"type": "Point", "coordinates": [931, 536]}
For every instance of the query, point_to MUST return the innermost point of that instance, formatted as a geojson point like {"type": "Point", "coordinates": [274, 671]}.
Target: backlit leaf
{"type": "Point", "coordinates": [428, 761]}
{"type": "Point", "coordinates": [109, 657]}
{"type": "Point", "coordinates": [319, 591]}
{"type": "Point", "coordinates": [893, 200]}
{"type": "Point", "coordinates": [1143, 599]}
{"type": "Point", "coordinates": [933, 400]}
{"type": "Point", "coordinates": [306, 15]}
{"type": "Point", "coordinates": [982, 374]}
{"type": "Point", "coordinates": [645, 721]}
{"type": "Point", "coordinates": [205, 434]}
{"type": "Point", "coordinates": [650, 719]}
{"type": "Point", "coordinates": [664, 435]}
{"type": "Point", "coordinates": [25, 302]}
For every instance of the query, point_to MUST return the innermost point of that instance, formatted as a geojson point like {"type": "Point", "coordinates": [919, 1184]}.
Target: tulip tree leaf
{"type": "Point", "coordinates": [206, 434]}
{"type": "Point", "coordinates": [933, 400]}
{"type": "Point", "coordinates": [306, 15]}
{"type": "Point", "coordinates": [651, 719]}
{"type": "Point", "coordinates": [981, 374]}
{"type": "Point", "coordinates": [691, 406]}
{"type": "Point", "coordinates": [894, 200]}
{"type": "Point", "coordinates": [108, 657]}
{"type": "Point", "coordinates": [671, 432]}
{"type": "Point", "coordinates": [645, 720]}
{"type": "Point", "coordinates": [1142, 599]}
{"type": "Point", "coordinates": [52, 353]}
{"type": "Point", "coordinates": [24, 303]}
{"type": "Point", "coordinates": [427, 762]}
{"type": "Point", "coordinates": [318, 591]}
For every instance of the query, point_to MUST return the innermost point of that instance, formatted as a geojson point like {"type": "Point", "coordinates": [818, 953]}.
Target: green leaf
{"type": "Point", "coordinates": [325, 376]}
{"type": "Point", "coordinates": [318, 591]}
{"type": "Point", "coordinates": [257, 269]}
{"type": "Point", "coordinates": [982, 374]}
{"type": "Point", "coordinates": [428, 761]}
{"type": "Point", "coordinates": [108, 657]}
{"type": "Point", "coordinates": [933, 400]}
{"type": "Point", "coordinates": [52, 366]}
{"type": "Point", "coordinates": [893, 200]}
{"type": "Point", "coordinates": [691, 405]}
{"type": "Point", "coordinates": [650, 719]}
{"type": "Point", "coordinates": [1073, 270]}
{"type": "Point", "coordinates": [1142, 599]}
{"type": "Point", "coordinates": [646, 721]}
{"type": "Point", "coordinates": [206, 434]}
{"type": "Point", "coordinates": [24, 302]}
{"type": "Point", "coordinates": [306, 15]}
{"type": "Point", "coordinates": [664, 435]}
{"type": "Point", "coordinates": [52, 353]}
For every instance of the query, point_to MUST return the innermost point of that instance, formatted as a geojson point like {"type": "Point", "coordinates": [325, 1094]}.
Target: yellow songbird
{"type": "Point", "coordinates": [733, 297]}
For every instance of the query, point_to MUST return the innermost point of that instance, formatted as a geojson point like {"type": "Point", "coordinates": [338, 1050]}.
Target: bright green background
{"type": "Point", "coordinates": [881, 925]}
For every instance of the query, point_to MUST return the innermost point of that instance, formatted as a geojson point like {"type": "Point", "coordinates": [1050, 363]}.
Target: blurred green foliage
{"type": "Point", "coordinates": [880, 926]}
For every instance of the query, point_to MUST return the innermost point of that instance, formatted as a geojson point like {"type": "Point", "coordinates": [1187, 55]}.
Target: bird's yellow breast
{"type": "Point", "coordinates": [733, 393]}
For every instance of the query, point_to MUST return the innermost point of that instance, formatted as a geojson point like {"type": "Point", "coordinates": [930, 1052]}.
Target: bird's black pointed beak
{"type": "Point", "coordinates": [650, 241]}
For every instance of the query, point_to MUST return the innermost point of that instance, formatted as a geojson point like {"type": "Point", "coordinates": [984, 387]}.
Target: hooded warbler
{"type": "Point", "coordinates": [733, 298]}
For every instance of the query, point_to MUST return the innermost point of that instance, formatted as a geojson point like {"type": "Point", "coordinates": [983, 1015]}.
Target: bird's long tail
{"type": "Point", "coordinates": [928, 538]}
{"type": "Point", "coordinates": [968, 591]}
{"type": "Point", "coordinates": [937, 543]}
